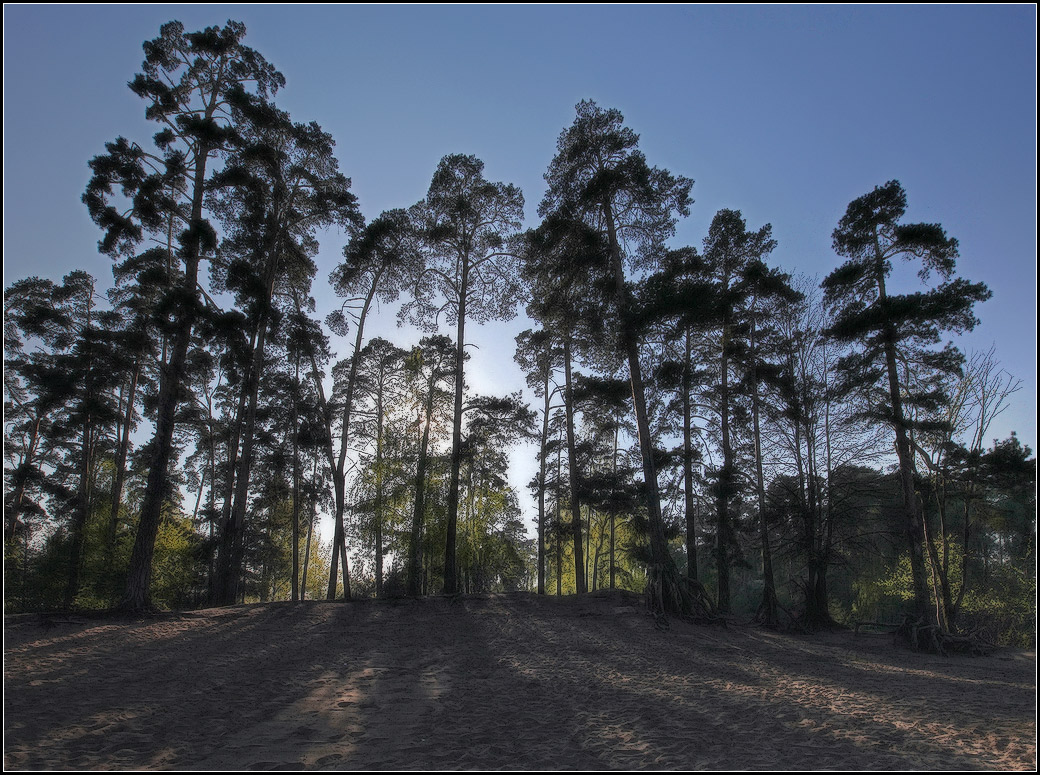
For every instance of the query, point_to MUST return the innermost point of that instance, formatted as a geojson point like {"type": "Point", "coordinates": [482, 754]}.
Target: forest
{"type": "Point", "coordinates": [730, 439]}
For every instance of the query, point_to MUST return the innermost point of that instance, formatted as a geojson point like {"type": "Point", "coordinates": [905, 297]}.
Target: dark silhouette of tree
{"type": "Point", "coordinates": [280, 183]}
{"type": "Point", "coordinates": [466, 225]}
{"type": "Point", "coordinates": [893, 328]}
{"type": "Point", "coordinates": [563, 263]}
{"type": "Point", "coordinates": [608, 486]}
{"type": "Point", "coordinates": [768, 290]}
{"type": "Point", "coordinates": [681, 300]}
{"type": "Point", "coordinates": [186, 82]}
{"type": "Point", "coordinates": [730, 252]}
{"type": "Point", "coordinates": [599, 178]}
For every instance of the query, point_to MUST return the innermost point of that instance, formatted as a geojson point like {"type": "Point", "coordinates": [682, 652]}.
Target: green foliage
{"type": "Point", "coordinates": [883, 597]}
{"type": "Point", "coordinates": [1004, 612]}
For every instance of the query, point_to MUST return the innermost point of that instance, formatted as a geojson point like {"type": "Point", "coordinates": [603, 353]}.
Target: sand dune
{"type": "Point", "coordinates": [499, 682]}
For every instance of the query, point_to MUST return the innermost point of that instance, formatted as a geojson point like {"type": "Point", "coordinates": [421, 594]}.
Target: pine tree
{"type": "Point", "coordinates": [599, 178]}
{"type": "Point", "coordinates": [188, 80]}
{"type": "Point", "coordinates": [890, 329]}
{"type": "Point", "coordinates": [466, 225]}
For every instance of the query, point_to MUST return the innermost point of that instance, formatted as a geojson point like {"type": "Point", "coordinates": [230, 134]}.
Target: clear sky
{"type": "Point", "coordinates": [785, 113]}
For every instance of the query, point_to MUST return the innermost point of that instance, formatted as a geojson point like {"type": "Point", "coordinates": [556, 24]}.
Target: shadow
{"type": "Point", "coordinates": [492, 682]}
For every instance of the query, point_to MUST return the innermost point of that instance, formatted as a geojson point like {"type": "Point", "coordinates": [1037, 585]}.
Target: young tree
{"type": "Point", "coordinates": [186, 82]}
{"type": "Point", "coordinates": [73, 374]}
{"type": "Point", "coordinates": [890, 329]}
{"type": "Point", "coordinates": [467, 224]}
{"type": "Point", "coordinates": [951, 451]}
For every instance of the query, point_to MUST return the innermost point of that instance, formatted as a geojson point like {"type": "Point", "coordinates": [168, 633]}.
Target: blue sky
{"type": "Point", "coordinates": [786, 113]}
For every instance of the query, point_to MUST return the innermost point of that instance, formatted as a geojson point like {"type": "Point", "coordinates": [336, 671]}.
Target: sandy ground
{"type": "Point", "coordinates": [499, 682]}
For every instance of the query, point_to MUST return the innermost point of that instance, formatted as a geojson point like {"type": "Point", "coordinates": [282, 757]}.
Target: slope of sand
{"type": "Point", "coordinates": [512, 682]}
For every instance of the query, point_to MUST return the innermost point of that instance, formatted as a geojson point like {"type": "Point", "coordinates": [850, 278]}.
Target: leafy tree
{"type": "Point", "coordinates": [466, 225]}
{"type": "Point", "coordinates": [890, 329]}
{"type": "Point", "coordinates": [562, 263]}
{"type": "Point", "coordinates": [681, 298]}
{"type": "Point", "coordinates": [609, 487]}
{"type": "Point", "coordinates": [732, 255]}
{"type": "Point", "coordinates": [73, 374]}
{"type": "Point", "coordinates": [490, 550]}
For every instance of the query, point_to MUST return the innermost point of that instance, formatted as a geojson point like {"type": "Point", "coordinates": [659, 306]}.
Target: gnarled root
{"type": "Point", "coordinates": [922, 636]}
{"type": "Point", "coordinates": [668, 593]}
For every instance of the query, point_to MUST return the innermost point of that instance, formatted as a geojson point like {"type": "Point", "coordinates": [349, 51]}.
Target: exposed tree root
{"type": "Point", "coordinates": [922, 636]}
{"type": "Point", "coordinates": [669, 593]}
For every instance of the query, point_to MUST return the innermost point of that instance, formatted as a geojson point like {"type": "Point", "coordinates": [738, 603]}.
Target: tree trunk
{"type": "Point", "coordinates": [914, 526]}
{"type": "Point", "coordinates": [119, 474]}
{"type": "Point", "coordinates": [725, 485]}
{"type": "Point", "coordinates": [137, 596]}
{"type": "Point", "coordinates": [658, 543]}
{"type": "Point", "coordinates": [450, 570]}
{"type": "Point", "coordinates": [80, 515]}
{"type": "Point", "coordinates": [688, 502]}
{"type": "Point", "coordinates": [378, 511]}
{"type": "Point", "coordinates": [419, 502]}
{"type": "Point", "coordinates": [338, 469]}
{"type": "Point", "coordinates": [229, 566]}
{"type": "Point", "coordinates": [296, 484]}
{"type": "Point", "coordinates": [543, 440]}
{"type": "Point", "coordinates": [767, 610]}
{"type": "Point", "coordinates": [572, 465]}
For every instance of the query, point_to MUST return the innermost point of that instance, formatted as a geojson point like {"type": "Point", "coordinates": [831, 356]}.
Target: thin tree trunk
{"type": "Point", "coordinates": [310, 532]}
{"type": "Point", "coordinates": [543, 440]}
{"type": "Point", "coordinates": [658, 542]}
{"type": "Point", "coordinates": [725, 485]}
{"type": "Point", "coordinates": [450, 569]}
{"type": "Point", "coordinates": [688, 502]}
{"type": "Point", "coordinates": [119, 474]}
{"type": "Point", "coordinates": [767, 611]}
{"type": "Point", "coordinates": [572, 464]}
{"type": "Point", "coordinates": [379, 491]}
{"type": "Point", "coordinates": [338, 470]}
{"type": "Point", "coordinates": [296, 484]}
{"type": "Point", "coordinates": [80, 515]}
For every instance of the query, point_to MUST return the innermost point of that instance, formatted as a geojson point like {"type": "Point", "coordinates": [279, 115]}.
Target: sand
{"type": "Point", "coordinates": [496, 682]}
